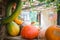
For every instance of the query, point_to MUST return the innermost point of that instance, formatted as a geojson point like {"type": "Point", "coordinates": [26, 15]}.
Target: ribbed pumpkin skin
{"type": "Point", "coordinates": [53, 33]}
{"type": "Point", "coordinates": [13, 29]}
{"type": "Point", "coordinates": [29, 32]}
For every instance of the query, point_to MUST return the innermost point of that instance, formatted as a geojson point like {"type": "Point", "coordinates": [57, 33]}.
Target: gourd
{"type": "Point", "coordinates": [19, 21]}
{"type": "Point", "coordinates": [14, 14]}
{"type": "Point", "coordinates": [13, 29]}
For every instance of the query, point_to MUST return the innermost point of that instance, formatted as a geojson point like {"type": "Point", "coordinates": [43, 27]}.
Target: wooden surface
{"type": "Point", "coordinates": [20, 38]}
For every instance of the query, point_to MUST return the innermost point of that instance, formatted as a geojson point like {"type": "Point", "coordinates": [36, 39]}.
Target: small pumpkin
{"type": "Point", "coordinates": [53, 33]}
{"type": "Point", "coordinates": [29, 32]}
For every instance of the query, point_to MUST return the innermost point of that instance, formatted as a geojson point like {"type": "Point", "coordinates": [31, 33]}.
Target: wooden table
{"type": "Point", "coordinates": [20, 38]}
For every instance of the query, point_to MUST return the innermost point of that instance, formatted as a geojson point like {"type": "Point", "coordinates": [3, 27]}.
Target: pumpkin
{"type": "Point", "coordinates": [29, 32]}
{"type": "Point", "coordinates": [53, 33]}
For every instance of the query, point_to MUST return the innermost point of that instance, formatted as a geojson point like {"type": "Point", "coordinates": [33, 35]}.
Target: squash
{"type": "Point", "coordinates": [29, 32]}
{"type": "Point", "coordinates": [14, 14]}
{"type": "Point", "coordinates": [53, 33]}
{"type": "Point", "coordinates": [13, 29]}
{"type": "Point", "coordinates": [18, 21]}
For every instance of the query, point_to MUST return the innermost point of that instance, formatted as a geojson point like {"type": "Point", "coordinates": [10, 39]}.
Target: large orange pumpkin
{"type": "Point", "coordinates": [29, 32]}
{"type": "Point", "coordinates": [53, 33]}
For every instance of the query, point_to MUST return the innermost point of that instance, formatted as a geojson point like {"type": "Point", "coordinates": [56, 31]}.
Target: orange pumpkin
{"type": "Point", "coordinates": [29, 32]}
{"type": "Point", "coordinates": [18, 21]}
{"type": "Point", "coordinates": [53, 33]}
